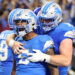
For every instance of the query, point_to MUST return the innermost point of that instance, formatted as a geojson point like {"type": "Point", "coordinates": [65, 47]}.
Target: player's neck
{"type": "Point", "coordinates": [30, 36]}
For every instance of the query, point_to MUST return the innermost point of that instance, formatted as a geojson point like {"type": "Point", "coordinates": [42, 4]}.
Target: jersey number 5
{"type": "Point", "coordinates": [25, 61]}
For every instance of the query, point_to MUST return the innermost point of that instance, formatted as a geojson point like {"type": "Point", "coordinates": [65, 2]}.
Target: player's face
{"type": "Point", "coordinates": [46, 21]}
{"type": "Point", "coordinates": [21, 23]}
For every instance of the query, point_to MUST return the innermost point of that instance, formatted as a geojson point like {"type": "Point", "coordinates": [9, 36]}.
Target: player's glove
{"type": "Point", "coordinates": [38, 56]}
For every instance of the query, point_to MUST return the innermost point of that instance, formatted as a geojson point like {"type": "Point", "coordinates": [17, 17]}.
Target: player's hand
{"type": "Point", "coordinates": [37, 56]}
{"type": "Point", "coordinates": [17, 47]}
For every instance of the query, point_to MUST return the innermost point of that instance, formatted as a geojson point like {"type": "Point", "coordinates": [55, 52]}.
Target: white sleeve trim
{"type": "Point", "coordinates": [48, 44]}
{"type": "Point", "coordinates": [70, 34]}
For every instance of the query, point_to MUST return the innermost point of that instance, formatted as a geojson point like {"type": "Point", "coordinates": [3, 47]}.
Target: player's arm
{"type": "Point", "coordinates": [9, 38]}
{"type": "Point", "coordinates": [15, 45]}
{"type": "Point", "coordinates": [64, 59]}
{"type": "Point", "coordinates": [65, 49]}
{"type": "Point", "coordinates": [53, 69]}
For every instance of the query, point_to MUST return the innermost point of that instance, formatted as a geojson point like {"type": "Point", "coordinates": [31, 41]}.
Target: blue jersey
{"type": "Point", "coordinates": [59, 33]}
{"type": "Point", "coordinates": [64, 30]}
{"type": "Point", "coordinates": [24, 66]}
{"type": "Point", "coordinates": [6, 55]}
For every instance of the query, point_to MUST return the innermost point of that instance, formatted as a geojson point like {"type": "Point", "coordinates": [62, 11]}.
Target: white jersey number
{"type": "Point", "coordinates": [21, 61]}
{"type": "Point", "coordinates": [3, 51]}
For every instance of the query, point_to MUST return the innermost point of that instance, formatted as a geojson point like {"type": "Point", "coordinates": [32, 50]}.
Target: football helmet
{"type": "Point", "coordinates": [30, 19]}
{"type": "Point", "coordinates": [49, 16]}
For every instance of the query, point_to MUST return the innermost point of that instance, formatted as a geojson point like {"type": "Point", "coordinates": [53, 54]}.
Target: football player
{"type": "Point", "coordinates": [6, 54]}
{"type": "Point", "coordinates": [25, 23]}
{"type": "Point", "coordinates": [50, 21]}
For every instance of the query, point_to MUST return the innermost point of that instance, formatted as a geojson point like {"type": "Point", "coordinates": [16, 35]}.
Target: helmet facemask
{"type": "Point", "coordinates": [47, 23]}
{"type": "Point", "coordinates": [19, 27]}
{"type": "Point", "coordinates": [25, 22]}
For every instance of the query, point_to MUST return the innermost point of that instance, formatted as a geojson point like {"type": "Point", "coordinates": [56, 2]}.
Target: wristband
{"type": "Point", "coordinates": [11, 42]}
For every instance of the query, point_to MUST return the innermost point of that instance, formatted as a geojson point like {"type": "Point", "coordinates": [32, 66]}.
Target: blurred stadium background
{"type": "Point", "coordinates": [68, 9]}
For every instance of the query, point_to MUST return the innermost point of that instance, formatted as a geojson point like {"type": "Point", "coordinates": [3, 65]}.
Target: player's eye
{"type": "Point", "coordinates": [22, 21]}
{"type": "Point", "coordinates": [16, 21]}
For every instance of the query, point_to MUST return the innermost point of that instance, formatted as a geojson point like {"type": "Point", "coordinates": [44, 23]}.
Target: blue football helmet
{"type": "Point", "coordinates": [49, 16]}
{"type": "Point", "coordinates": [27, 16]}
{"type": "Point", "coordinates": [11, 15]}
